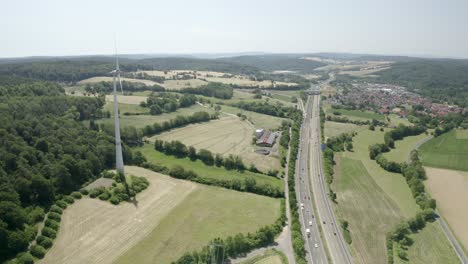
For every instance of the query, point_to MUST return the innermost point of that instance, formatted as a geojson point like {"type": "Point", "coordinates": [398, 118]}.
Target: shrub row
{"type": "Point", "coordinates": [178, 121]}
{"type": "Point", "coordinates": [296, 232]}
{"type": "Point", "coordinates": [247, 185]}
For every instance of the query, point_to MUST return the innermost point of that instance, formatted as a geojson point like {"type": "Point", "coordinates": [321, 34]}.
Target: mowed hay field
{"type": "Point", "coordinates": [172, 217]}
{"type": "Point", "coordinates": [94, 231]}
{"type": "Point", "coordinates": [257, 119]}
{"type": "Point", "coordinates": [450, 189]}
{"type": "Point", "coordinates": [127, 99]}
{"type": "Point", "coordinates": [227, 135]}
{"type": "Point", "coordinates": [111, 79]}
{"type": "Point", "coordinates": [267, 257]}
{"type": "Point", "coordinates": [449, 151]}
{"type": "Point", "coordinates": [205, 171]}
{"type": "Point", "coordinates": [373, 201]}
{"type": "Point", "coordinates": [180, 84]}
{"type": "Point", "coordinates": [403, 148]}
{"type": "Point", "coordinates": [354, 114]}
{"type": "Point", "coordinates": [333, 129]}
{"type": "Point", "coordinates": [140, 121]}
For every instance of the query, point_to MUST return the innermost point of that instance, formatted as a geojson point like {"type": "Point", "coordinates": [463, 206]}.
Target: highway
{"type": "Point", "coordinates": [315, 249]}
{"type": "Point", "coordinates": [337, 246]}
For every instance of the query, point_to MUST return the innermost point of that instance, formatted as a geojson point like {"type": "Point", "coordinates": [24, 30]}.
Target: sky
{"type": "Point", "coordinates": [429, 28]}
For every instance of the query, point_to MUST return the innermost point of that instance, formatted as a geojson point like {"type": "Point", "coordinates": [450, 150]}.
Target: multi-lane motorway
{"type": "Point", "coordinates": [315, 248]}
{"type": "Point", "coordinates": [315, 206]}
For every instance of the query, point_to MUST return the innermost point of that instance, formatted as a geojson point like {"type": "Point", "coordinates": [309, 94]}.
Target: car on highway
{"type": "Point", "coordinates": [310, 223]}
{"type": "Point", "coordinates": [316, 245]}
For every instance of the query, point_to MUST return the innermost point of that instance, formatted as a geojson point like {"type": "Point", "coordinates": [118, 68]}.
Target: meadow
{"type": "Point", "coordinates": [373, 201]}
{"type": "Point", "coordinates": [227, 135]}
{"type": "Point", "coordinates": [449, 151]}
{"type": "Point", "coordinates": [333, 129]}
{"type": "Point", "coordinates": [355, 114]}
{"type": "Point", "coordinates": [257, 119]}
{"type": "Point", "coordinates": [170, 218]}
{"type": "Point", "coordinates": [403, 148]}
{"type": "Point", "coordinates": [140, 121]}
{"type": "Point", "coordinates": [204, 171]}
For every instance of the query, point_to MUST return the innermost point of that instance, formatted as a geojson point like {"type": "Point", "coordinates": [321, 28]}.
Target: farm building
{"type": "Point", "coordinates": [267, 139]}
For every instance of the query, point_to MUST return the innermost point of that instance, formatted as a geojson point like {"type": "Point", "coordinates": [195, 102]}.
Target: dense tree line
{"type": "Point", "coordinates": [296, 232]}
{"type": "Point", "coordinates": [235, 246]}
{"type": "Point", "coordinates": [212, 89]}
{"type": "Point", "coordinates": [342, 119]}
{"type": "Point", "coordinates": [249, 184]}
{"type": "Point", "coordinates": [159, 103]}
{"type": "Point", "coordinates": [128, 87]}
{"type": "Point", "coordinates": [180, 150]}
{"type": "Point", "coordinates": [29, 88]}
{"type": "Point", "coordinates": [46, 153]}
{"type": "Point", "coordinates": [178, 121]}
{"type": "Point", "coordinates": [278, 109]}
{"type": "Point", "coordinates": [414, 174]}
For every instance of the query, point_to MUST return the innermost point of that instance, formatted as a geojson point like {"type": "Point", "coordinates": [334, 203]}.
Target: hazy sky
{"type": "Point", "coordinates": [61, 27]}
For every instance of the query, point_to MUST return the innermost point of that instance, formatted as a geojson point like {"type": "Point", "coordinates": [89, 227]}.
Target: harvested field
{"type": "Point", "coordinates": [450, 189]}
{"type": "Point", "coordinates": [127, 99]}
{"type": "Point", "coordinates": [228, 135]}
{"type": "Point", "coordinates": [172, 217]}
{"type": "Point", "coordinates": [206, 213]}
{"type": "Point", "coordinates": [110, 79]}
{"type": "Point", "coordinates": [257, 119]}
{"type": "Point", "coordinates": [180, 84]}
{"type": "Point", "coordinates": [93, 231]}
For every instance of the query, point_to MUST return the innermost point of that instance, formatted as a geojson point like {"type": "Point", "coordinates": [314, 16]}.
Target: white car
{"type": "Point", "coordinates": [316, 245]}
{"type": "Point", "coordinates": [310, 223]}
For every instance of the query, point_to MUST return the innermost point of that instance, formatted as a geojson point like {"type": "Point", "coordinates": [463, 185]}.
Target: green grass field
{"type": "Point", "coordinates": [449, 151]}
{"type": "Point", "coordinates": [272, 256]}
{"type": "Point", "coordinates": [355, 114]}
{"type": "Point", "coordinates": [203, 170]}
{"type": "Point", "coordinates": [373, 200]}
{"type": "Point", "coordinates": [239, 96]}
{"type": "Point", "coordinates": [139, 121]}
{"type": "Point", "coordinates": [257, 119]}
{"type": "Point", "coordinates": [205, 214]}
{"type": "Point", "coordinates": [403, 148]}
{"type": "Point", "coordinates": [422, 252]}
{"type": "Point", "coordinates": [333, 129]}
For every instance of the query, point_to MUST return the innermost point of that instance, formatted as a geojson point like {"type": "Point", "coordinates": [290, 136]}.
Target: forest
{"type": "Point", "coordinates": [442, 80]}
{"type": "Point", "coordinates": [46, 153]}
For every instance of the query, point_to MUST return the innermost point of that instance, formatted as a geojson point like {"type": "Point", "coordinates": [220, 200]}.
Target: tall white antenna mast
{"type": "Point", "coordinates": [118, 143]}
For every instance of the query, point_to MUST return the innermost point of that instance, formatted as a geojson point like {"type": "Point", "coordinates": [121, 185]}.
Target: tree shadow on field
{"type": "Point", "coordinates": [134, 202]}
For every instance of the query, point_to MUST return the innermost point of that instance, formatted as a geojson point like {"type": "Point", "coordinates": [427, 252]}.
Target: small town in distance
{"type": "Point", "coordinates": [162, 138]}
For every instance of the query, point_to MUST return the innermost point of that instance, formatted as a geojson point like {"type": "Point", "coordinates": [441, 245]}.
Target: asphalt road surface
{"type": "Point", "coordinates": [337, 246]}
{"type": "Point", "coordinates": [315, 249]}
